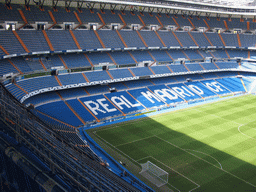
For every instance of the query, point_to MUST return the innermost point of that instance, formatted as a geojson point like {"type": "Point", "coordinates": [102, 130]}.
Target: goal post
{"type": "Point", "coordinates": [154, 174]}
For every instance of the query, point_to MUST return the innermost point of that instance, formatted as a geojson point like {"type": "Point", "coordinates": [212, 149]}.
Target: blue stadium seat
{"type": "Point", "coordinates": [110, 39]}
{"type": "Point", "coordinates": [10, 43]}
{"type": "Point", "coordinates": [99, 57]}
{"type": "Point", "coordinates": [87, 39]}
{"type": "Point", "coordinates": [151, 39]}
{"type": "Point", "coordinates": [168, 38]}
{"type": "Point", "coordinates": [122, 58]}
{"type": "Point", "coordinates": [141, 56]}
{"type": "Point", "coordinates": [178, 68]}
{"type": "Point", "coordinates": [61, 40]}
{"type": "Point", "coordinates": [72, 78]}
{"type": "Point", "coordinates": [64, 113]}
{"type": "Point", "coordinates": [141, 71]}
{"type": "Point", "coordinates": [76, 60]}
{"type": "Point", "coordinates": [120, 73]}
{"type": "Point", "coordinates": [194, 67]}
{"type": "Point", "coordinates": [97, 76]}
{"type": "Point", "coordinates": [131, 39]}
{"type": "Point", "coordinates": [81, 110]}
{"type": "Point", "coordinates": [161, 55]}
{"type": "Point", "coordinates": [34, 40]}
{"type": "Point", "coordinates": [161, 69]}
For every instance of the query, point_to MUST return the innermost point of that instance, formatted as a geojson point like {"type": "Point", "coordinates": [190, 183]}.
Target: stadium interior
{"type": "Point", "coordinates": [69, 66]}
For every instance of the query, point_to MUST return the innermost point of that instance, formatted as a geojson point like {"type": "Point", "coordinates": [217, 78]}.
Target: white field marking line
{"type": "Point", "coordinates": [129, 156]}
{"type": "Point", "coordinates": [134, 141]}
{"type": "Point", "coordinates": [142, 158]}
{"type": "Point", "coordinates": [178, 173]}
{"type": "Point", "coordinates": [207, 162]}
{"type": "Point", "coordinates": [206, 155]}
{"type": "Point", "coordinates": [115, 147]}
{"type": "Point", "coordinates": [244, 133]}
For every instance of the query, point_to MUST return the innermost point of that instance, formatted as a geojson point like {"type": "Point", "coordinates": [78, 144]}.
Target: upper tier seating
{"type": "Point", "coordinates": [141, 71]}
{"type": "Point", "coordinates": [97, 76]}
{"type": "Point", "coordinates": [151, 39]}
{"type": "Point", "coordinates": [238, 53]}
{"type": "Point", "coordinates": [36, 15]}
{"type": "Point", "coordinates": [131, 18]}
{"type": "Point", "coordinates": [120, 73]}
{"type": "Point", "coordinates": [62, 15]}
{"type": "Point", "coordinates": [149, 19]}
{"type": "Point", "coordinates": [76, 60]}
{"type": "Point", "coordinates": [122, 58]}
{"type": "Point", "coordinates": [10, 15]}
{"type": "Point", "coordinates": [219, 53]}
{"type": "Point", "coordinates": [200, 39]}
{"type": "Point", "coordinates": [182, 21]}
{"type": "Point", "coordinates": [214, 38]}
{"type": "Point", "coordinates": [10, 43]}
{"type": "Point", "coordinates": [6, 67]}
{"type": "Point", "coordinates": [166, 19]}
{"type": "Point", "coordinates": [193, 54]}
{"type": "Point", "coordinates": [185, 39]}
{"type": "Point", "coordinates": [132, 39]}
{"type": "Point", "coordinates": [87, 17]}
{"type": "Point", "coordinates": [230, 39]}
{"type": "Point", "coordinates": [109, 17]}
{"type": "Point", "coordinates": [214, 23]}
{"type": "Point", "coordinates": [168, 38]}
{"type": "Point", "coordinates": [61, 40]}
{"type": "Point", "coordinates": [161, 55]}
{"type": "Point", "coordinates": [194, 67]}
{"type": "Point", "coordinates": [142, 56]}
{"type": "Point", "coordinates": [236, 24]}
{"type": "Point", "coordinates": [110, 39]}
{"type": "Point", "coordinates": [99, 57]}
{"type": "Point", "coordinates": [176, 54]}
{"type": "Point", "coordinates": [198, 21]}
{"type": "Point", "coordinates": [247, 40]}
{"type": "Point", "coordinates": [73, 78]}
{"type": "Point", "coordinates": [162, 69]}
{"type": "Point", "coordinates": [34, 40]}
{"type": "Point", "coordinates": [178, 68]}
{"type": "Point", "coordinates": [38, 83]}
{"type": "Point", "coordinates": [87, 39]}
{"type": "Point", "coordinates": [209, 66]}
{"type": "Point", "coordinates": [227, 65]}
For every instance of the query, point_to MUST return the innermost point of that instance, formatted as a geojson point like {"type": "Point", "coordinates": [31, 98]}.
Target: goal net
{"type": "Point", "coordinates": [154, 174]}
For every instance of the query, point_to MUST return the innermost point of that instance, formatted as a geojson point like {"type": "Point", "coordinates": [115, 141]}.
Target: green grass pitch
{"type": "Point", "coordinates": [210, 147]}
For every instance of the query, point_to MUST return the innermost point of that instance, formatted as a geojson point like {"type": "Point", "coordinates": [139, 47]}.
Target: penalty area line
{"type": "Point", "coordinates": [207, 162]}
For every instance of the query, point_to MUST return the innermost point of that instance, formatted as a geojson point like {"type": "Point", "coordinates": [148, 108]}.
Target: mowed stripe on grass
{"type": "Point", "coordinates": [202, 143]}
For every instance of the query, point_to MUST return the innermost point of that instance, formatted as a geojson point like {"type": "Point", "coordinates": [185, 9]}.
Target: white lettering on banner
{"type": "Point", "coordinates": [173, 95]}
{"type": "Point", "coordinates": [132, 105]}
{"type": "Point", "coordinates": [196, 89]}
{"type": "Point", "coordinates": [150, 95]}
{"type": "Point", "coordinates": [105, 105]}
{"type": "Point", "coordinates": [214, 86]}
{"type": "Point", "coordinates": [119, 104]}
{"type": "Point", "coordinates": [181, 92]}
{"type": "Point", "coordinates": [161, 94]}
{"type": "Point", "coordinates": [94, 108]}
{"type": "Point", "coordinates": [183, 87]}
